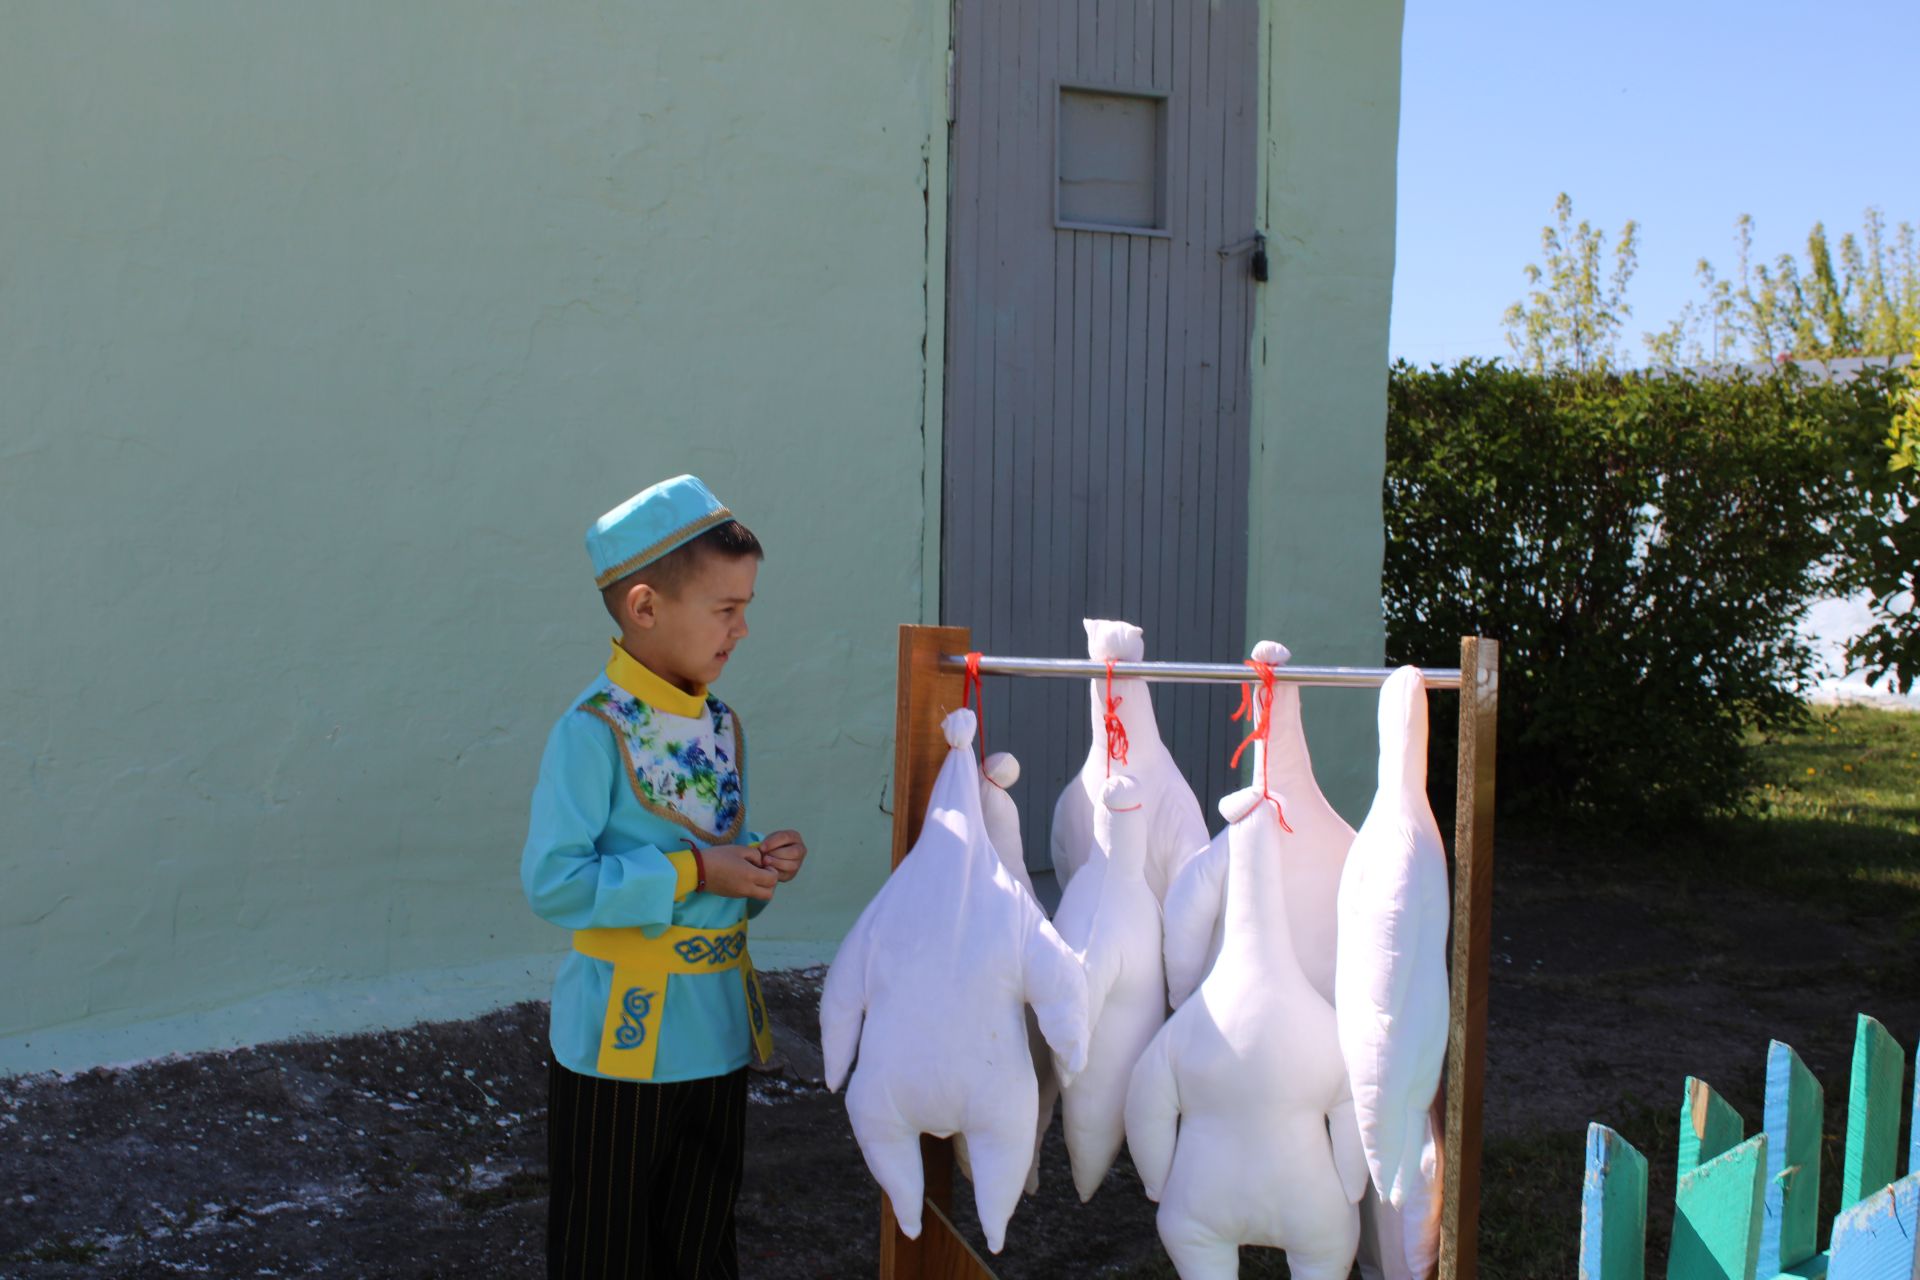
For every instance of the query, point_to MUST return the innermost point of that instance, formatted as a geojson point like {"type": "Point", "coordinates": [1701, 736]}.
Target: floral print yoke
{"type": "Point", "coordinates": [689, 770]}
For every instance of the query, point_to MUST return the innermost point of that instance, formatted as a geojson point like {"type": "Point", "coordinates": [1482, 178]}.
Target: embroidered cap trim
{"type": "Point", "coordinates": [660, 548]}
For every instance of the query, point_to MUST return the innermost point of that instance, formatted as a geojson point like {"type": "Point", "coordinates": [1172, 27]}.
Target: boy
{"type": "Point", "coordinates": [638, 842]}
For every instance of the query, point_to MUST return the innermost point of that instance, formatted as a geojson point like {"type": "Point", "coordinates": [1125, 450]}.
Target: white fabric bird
{"type": "Point", "coordinates": [1229, 1111]}
{"type": "Point", "coordinates": [1315, 851]}
{"type": "Point", "coordinates": [1109, 913]}
{"type": "Point", "coordinates": [1391, 988]}
{"type": "Point", "coordinates": [1176, 829]}
{"type": "Point", "coordinates": [1002, 816]}
{"type": "Point", "coordinates": [930, 987]}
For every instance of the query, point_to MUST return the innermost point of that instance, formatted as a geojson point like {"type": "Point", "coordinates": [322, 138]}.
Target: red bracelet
{"type": "Point", "coordinates": [699, 869]}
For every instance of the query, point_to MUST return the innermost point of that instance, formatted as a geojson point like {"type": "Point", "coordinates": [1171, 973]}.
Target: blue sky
{"type": "Point", "coordinates": [1682, 115]}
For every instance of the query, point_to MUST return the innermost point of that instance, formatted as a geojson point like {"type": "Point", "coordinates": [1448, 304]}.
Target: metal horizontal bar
{"type": "Point", "coordinates": [1199, 672]}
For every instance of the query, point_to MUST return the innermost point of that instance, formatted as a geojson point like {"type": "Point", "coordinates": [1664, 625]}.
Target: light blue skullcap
{"type": "Point", "coordinates": [650, 524]}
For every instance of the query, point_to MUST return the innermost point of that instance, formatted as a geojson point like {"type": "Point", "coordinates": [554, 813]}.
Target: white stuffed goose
{"type": "Point", "coordinates": [1315, 851]}
{"type": "Point", "coordinates": [1000, 772]}
{"type": "Point", "coordinates": [1176, 829]}
{"type": "Point", "coordinates": [931, 987]}
{"type": "Point", "coordinates": [1109, 913]}
{"type": "Point", "coordinates": [1002, 816]}
{"type": "Point", "coordinates": [1229, 1111]}
{"type": "Point", "coordinates": [1391, 992]}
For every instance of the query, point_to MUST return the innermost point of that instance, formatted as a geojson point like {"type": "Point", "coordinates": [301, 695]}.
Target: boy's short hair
{"type": "Point", "coordinates": [672, 571]}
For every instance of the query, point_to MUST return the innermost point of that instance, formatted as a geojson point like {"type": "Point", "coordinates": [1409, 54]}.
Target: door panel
{"type": "Point", "coordinates": [1095, 459]}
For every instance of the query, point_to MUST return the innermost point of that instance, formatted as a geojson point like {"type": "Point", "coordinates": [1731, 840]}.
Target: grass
{"type": "Point", "coordinates": [1530, 1192]}
{"type": "Point", "coordinates": [1852, 769]}
{"type": "Point", "coordinates": [1833, 821]}
{"type": "Point", "coordinates": [1834, 827]}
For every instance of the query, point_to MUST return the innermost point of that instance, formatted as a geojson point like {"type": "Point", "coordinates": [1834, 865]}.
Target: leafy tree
{"type": "Point", "coordinates": [1645, 547]}
{"type": "Point", "coordinates": [1859, 299]}
{"type": "Point", "coordinates": [1572, 315]}
{"type": "Point", "coordinates": [1885, 552]}
{"type": "Point", "coordinates": [1714, 318]}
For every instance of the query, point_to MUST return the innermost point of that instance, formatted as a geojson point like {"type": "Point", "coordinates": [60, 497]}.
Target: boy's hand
{"type": "Point", "coordinates": [734, 871]}
{"type": "Point", "coordinates": [783, 852]}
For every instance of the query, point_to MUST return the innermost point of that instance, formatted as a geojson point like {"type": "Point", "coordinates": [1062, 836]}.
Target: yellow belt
{"type": "Point", "coordinates": [630, 1032]}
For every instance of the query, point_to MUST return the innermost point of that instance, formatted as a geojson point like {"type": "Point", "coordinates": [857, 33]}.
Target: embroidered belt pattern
{"type": "Point", "coordinates": [630, 1034]}
{"type": "Point", "coordinates": [712, 952]}
{"type": "Point", "coordinates": [635, 1005]}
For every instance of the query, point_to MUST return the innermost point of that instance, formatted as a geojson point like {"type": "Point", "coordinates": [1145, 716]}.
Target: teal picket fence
{"type": "Point", "coordinates": [1746, 1208]}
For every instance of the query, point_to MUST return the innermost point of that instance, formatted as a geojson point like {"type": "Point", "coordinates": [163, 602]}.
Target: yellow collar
{"type": "Point", "coordinates": [632, 675]}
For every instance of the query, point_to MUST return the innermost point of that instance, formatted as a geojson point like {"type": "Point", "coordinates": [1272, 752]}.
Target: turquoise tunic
{"type": "Point", "coordinates": [636, 771]}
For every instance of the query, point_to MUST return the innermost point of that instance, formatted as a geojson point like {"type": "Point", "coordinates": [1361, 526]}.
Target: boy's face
{"type": "Point", "coordinates": [692, 632]}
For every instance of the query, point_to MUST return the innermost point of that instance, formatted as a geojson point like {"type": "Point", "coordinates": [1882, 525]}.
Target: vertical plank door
{"type": "Point", "coordinates": [1100, 305]}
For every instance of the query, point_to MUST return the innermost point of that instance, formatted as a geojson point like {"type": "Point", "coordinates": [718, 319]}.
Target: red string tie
{"type": "Point", "coordinates": [1258, 710]}
{"type": "Point", "coordinates": [973, 690]}
{"type": "Point", "coordinates": [1117, 744]}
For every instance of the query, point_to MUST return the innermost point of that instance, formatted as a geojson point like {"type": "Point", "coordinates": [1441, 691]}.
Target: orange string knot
{"type": "Point", "coordinates": [1117, 745]}
{"type": "Point", "coordinates": [974, 691]}
{"type": "Point", "coordinates": [1258, 709]}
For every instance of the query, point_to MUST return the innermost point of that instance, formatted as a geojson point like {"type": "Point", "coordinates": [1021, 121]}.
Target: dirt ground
{"type": "Point", "coordinates": [420, 1153]}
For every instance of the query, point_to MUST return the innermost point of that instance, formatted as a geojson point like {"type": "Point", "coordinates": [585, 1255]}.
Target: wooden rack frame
{"type": "Point", "coordinates": [930, 685]}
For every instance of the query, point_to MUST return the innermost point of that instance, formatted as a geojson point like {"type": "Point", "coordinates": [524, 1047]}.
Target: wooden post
{"type": "Point", "coordinates": [1709, 1127]}
{"type": "Point", "coordinates": [1796, 1109]}
{"type": "Point", "coordinates": [1913, 1131]}
{"type": "Point", "coordinates": [923, 695]}
{"type": "Point", "coordinates": [1472, 942]}
{"type": "Point", "coordinates": [1613, 1209]}
{"type": "Point", "coordinates": [1716, 1215]}
{"type": "Point", "coordinates": [1873, 1112]}
{"type": "Point", "coordinates": [1879, 1238]}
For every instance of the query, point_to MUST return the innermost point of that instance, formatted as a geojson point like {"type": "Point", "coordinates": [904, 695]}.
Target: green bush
{"type": "Point", "coordinates": [1883, 559]}
{"type": "Point", "coordinates": [1645, 547]}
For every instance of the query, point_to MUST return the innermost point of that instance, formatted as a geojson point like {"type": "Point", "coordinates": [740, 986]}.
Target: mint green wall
{"type": "Point", "coordinates": [1330, 97]}
{"type": "Point", "coordinates": [325, 330]}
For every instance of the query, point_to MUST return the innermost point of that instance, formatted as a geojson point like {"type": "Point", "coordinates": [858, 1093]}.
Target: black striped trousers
{"type": "Point", "coordinates": [644, 1176]}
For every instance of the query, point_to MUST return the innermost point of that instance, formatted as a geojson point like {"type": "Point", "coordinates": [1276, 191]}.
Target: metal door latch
{"type": "Point", "coordinates": [1257, 261]}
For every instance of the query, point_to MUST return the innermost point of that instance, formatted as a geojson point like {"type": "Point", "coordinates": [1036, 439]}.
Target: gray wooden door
{"type": "Point", "coordinates": [1100, 292]}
